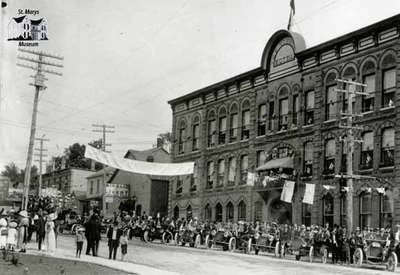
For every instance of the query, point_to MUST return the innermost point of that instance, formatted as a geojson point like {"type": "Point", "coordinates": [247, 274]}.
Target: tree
{"type": "Point", "coordinates": [75, 155]}
{"type": "Point", "coordinates": [12, 172]}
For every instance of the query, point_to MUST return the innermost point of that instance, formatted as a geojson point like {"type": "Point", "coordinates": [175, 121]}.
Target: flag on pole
{"type": "Point", "coordinates": [287, 192]}
{"type": "Point", "coordinates": [309, 193]}
{"type": "Point", "coordinates": [292, 12]}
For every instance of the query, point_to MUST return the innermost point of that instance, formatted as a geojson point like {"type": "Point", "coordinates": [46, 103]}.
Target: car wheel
{"type": "Point", "coordinates": [197, 241]}
{"type": "Point", "coordinates": [324, 255]}
{"type": "Point", "coordinates": [232, 244]}
{"type": "Point", "coordinates": [249, 246]}
{"type": "Point", "coordinates": [176, 238]}
{"type": "Point", "coordinates": [164, 238]}
{"type": "Point", "coordinates": [208, 242]}
{"type": "Point", "coordinates": [311, 254]}
{"type": "Point", "coordinates": [358, 257]}
{"type": "Point", "coordinates": [146, 236]}
{"type": "Point", "coordinates": [276, 252]}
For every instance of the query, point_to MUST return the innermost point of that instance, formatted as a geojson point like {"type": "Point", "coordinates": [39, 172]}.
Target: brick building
{"type": "Point", "coordinates": [283, 118]}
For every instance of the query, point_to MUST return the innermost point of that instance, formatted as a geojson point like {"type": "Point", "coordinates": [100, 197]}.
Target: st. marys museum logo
{"type": "Point", "coordinates": [25, 29]}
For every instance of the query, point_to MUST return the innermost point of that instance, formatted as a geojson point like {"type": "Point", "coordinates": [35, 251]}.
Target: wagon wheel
{"type": "Point", "coordinates": [324, 255]}
{"type": "Point", "coordinates": [197, 241]}
{"type": "Point", "coordinates": [282, 255]}
{"type": "Point", "coordinates": [163, 237]}
{"type": "Point", "coordinates": [311, 254]}
{"type": "Point", "coordinates": [392, 262]}
{"type": "Point", "coordinates": [249, 246]}
{"type": "Point", "coordinates": [358, 257]}
{"type": "Point", "coordinates": [276, 251]}
{"type": "Point", "coordinates": [232, 244]}
{"type": "Point", "coordinates": [146, 236]}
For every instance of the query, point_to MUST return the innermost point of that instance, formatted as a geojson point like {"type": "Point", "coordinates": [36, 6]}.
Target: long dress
{"type": "Point", "coordinates": [50, 237]}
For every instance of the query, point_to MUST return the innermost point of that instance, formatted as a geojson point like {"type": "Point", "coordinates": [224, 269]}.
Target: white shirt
{"type": "Point", "coordinates": [114, 234]}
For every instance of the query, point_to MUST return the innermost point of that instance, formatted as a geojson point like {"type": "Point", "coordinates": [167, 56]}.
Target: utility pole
{"type": "Point", "coordinates": [40, 160]}
{"type": "Point", "coordinates": [38, 83]}
{"type": "Point", "coordinates": [350, 144]}
{"type": "Point", "coordinates": [104, 129]}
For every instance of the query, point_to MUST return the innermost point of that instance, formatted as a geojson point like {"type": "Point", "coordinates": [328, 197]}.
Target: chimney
{"type": "Point", "coordinates": [160, 143]}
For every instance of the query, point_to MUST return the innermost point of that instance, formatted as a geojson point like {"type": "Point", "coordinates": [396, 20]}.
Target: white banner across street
{"type": "Point", "coordinates": [139, 167]}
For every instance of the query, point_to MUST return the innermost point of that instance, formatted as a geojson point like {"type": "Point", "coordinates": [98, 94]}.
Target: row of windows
{"type": "Point", "coordinates": [365, 210]}
{"type": "Point", "coordinates": [231, 171]}
{"type": "Point", "coordinates": [289, 110]}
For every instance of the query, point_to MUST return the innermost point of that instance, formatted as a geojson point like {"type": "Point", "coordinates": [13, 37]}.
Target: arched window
{"type": "Point", "coordinates": [229, 212]}
{"type": "Point", "coordinates": [242, 210]}
{"type": "Point", "coordinates": [367, 150]}
{"type": "Point", "coordinates": [262, 117]}
{"type": "Point", "coordinates": [222, 122]}
{"type": "Point", "coordinates": [210, 175]}
{"type": "Point", "coordinates": [245, 120]}
{"type": "Point", "coordinates": [387, 147]}
{"type": "Point", "coordinates": [195, 133]}
{"type": "Point", "coordinates": [327, 210]}
{"type": "Point", "coordinates": [258, 211]}
{"type": "Point", "coordinates": [309, 110]}
{"type": "Point", "coordinates": [221, 172]}
{"type": "Point", "coordinates": [386, 209]}
{"type": "Point", "coordinates": [331, 97]}
{"type": "Point", "coordinates": [330, 153]}
{"type": "Point", "coordinates": [388, 80]}
{"type": "Point", "coordinates": [232, 171]}
{"type": "Point", "coordinates": [207, 212]}
{"type": "Point", "coordinates": [244, 166]}
{"type": "Point", "coordinates": [308, 158]}
{"type": "Point", "coordinates": [365, 209]}
{"type": "Point", "coordinates": [283, 109]}
{"type": "Point", "coordinates": [218, 212]}
{"type": "Point", "coordinates": [233, 131]}
{"type": "Point", "coordinates": [189, 213]}
{"type": "Point", "coordinates": [368, 78]}
{"type": "Point", "coordinates": [348, 74]}
{"type": "Point", "coordinates": [176, 212]}
{"type": "Point", "coordinates": [181, 137]}
{"type": "Point", "coordinates": [211, 129]}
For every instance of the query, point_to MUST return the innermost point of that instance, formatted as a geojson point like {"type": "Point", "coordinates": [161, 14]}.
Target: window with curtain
{"type": "Point", "coordinates": [210, 175]}
{"type": "Point", "coordinates": [193, 178]}
{"type": "Point", "coordinates": [389, 87]}
{"type": "Point", "coordinates": [221, 172]}
{"type": "Point", "coordinates": [207, 212]}
{"type": "Point", "coordinates": [196, 135]}
{"type": "Point", "coordinates": [242, 210]}
{"type": "Point", "coordinates": [296, 110]}
{"type": "Point", "coordinates": [327, 210]}
{"type": "Point", "coordinates": [283, 114]}
{"type": "Point", "coordinates": [368, 100]}
{"type": "Point", "coordinates": [260, 158]}
{"type": "Point", "coordinates": [245, 124]}
{"type": "Point", "coordinates": [331, 103]}
{"type": "Point", "coordinates": [244, 166]}
{"type": "Point", "coordinates": [308, 158]}
{"type": "Point", "coordinates": [271, 116]}
{"type": "Point", "coordinates": [182, 138]}
{"type": "Point", "coordinates": [212, 127]}
{"type": "Point", "coordinates": [330, 153]}
{"type": "Point", "coordinates": [387, 148]}
{"type": "Point", "coordinates": [258, 211]}
{"type": "Point", "coordinates": [386, 209]}
{"type": "Point", "coordinates": [367, 150]}
{"type": "Point", "coordinates": [365, 210]}
{"type": "Point", "coordinates": [309, 110]}
{"type": "Point", "coordinates": [234, 128]}
{"type": "Point", "coordinates": [218, 212]}
{"type": "Point", "coordinates": [306, 214]}
{"type": "Point", "coordinates": [222, 130]}
{"type": "Point", "coordinates": [262, 113]}
{"type": "Point", "coordinates": [229, 212]}
{"type": "Point", "coordinates": [232, 171]}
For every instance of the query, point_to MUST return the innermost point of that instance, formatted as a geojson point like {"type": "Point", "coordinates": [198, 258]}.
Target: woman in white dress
{"type": "Point", "coordinates": [50, 234]}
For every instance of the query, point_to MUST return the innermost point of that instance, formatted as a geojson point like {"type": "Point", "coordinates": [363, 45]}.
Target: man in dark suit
{"type": "Point", "coordinates": [113, 234]}
{"type": "Point", "coordinates": [40, 229]}
{"type": "Point", "coordinates": [96, 233]}
{"type": "Point", "coordinates": [90, 235]}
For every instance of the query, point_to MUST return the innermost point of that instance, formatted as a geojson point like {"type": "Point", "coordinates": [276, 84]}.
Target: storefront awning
{"type": "Point", "coordinates": [277, 163]}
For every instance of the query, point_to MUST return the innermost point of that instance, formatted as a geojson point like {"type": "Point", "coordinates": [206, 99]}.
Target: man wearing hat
{"type": "Point", "coordinates": [40, 229]}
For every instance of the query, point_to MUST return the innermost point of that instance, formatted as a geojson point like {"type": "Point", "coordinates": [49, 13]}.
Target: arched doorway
{"type": "Point", "coordinates": [176, 212]}
{"type": "Point", "coordinates": [280, 212]}
{"type": "Point", "coordinates": [138, 210]}
{"type": "Point", "coordinates": [229, 212]}
{"type": "Point", "coordinates": [218, 212]}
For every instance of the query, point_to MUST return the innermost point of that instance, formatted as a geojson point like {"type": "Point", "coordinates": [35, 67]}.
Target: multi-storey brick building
{"type": "Point", "coordinates": [283, 118]}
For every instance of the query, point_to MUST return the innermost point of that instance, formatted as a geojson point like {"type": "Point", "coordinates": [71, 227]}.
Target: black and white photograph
{"type": "Point", "coordinates": [199, 137]}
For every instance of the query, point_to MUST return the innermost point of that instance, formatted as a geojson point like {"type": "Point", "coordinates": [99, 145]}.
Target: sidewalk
{"type": "Point", "coordinates": [118, 265]}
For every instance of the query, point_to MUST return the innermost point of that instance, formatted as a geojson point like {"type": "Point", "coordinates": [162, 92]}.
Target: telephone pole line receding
{"type": "Point", "coordinates": [103, 129]}
{"type": "Point", "coordinates": [38, 65]}
{"type": "Point", "coordinates": [40, 160]}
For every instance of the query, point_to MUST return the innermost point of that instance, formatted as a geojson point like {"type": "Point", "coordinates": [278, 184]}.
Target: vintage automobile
{"type": "Point", "coordinates": [192, 237]}
{"type": "Point", "coordinates": [376, 252]}
{"type": "Point", "coordinates": [222, 238]}
{"type": "Point", "coordinates": [299, 247]}
{"type": "Point", "coordinates": [136, 231]}
{"type": "Point", "coordinates": [152, 233]}
{"type": "Point", "coordinates": [168, 234]}
{"type": "Point", "coordinates": [265, 242]}
{"type": "Point", "coordinates": [67, 220]}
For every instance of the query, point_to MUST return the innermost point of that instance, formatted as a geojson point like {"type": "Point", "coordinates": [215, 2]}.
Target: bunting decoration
{"type": "Point", "coordinates": [309, 193]}
{"type": "Point", "coordinates": [287, 192]}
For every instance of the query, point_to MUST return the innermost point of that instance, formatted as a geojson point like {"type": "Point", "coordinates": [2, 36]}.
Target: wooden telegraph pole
{"type": "Point", "coordinates": [38, 83]}
{"type": "Point", "coordinates": [40, 160]}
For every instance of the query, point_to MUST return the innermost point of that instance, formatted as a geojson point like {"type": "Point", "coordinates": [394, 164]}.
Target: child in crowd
{"type": "Point", "coordinates": [80, 237]}
{"type": "Point", "coordinates": [12, 236]}
{"type": "Point", "coordinates": [123, 240]}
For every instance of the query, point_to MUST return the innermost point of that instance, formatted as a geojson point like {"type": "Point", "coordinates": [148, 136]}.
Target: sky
{"type": "Point", "coordinates": [124, 59]}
